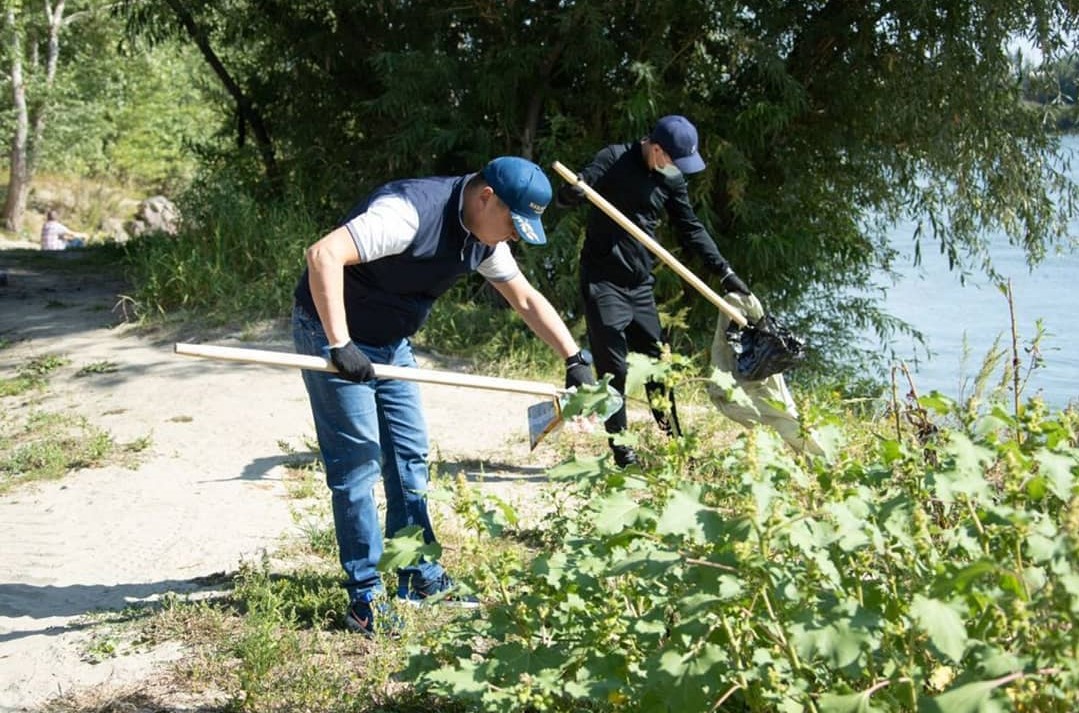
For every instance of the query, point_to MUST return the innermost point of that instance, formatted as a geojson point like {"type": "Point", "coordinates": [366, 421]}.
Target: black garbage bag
{"type": "Point", "coordinates": [763, 348]}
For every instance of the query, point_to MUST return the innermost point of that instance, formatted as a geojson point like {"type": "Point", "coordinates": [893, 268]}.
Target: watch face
{"type": "Point", "coordinates": [586, 356]}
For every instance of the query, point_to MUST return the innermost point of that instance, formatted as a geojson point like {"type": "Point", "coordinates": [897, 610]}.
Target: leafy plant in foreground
{"type": "Point", "coordinates": [937, 577]}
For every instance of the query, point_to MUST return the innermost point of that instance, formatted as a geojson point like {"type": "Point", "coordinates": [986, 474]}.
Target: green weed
{"type": "Point", "coordinates": [98, 367]}
{"type": "Point", "coordinates": [32, 375]}
{"type": "Point", "coordinates": [48, 445]}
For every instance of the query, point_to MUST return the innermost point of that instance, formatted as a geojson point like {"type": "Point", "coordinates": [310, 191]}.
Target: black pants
{"type": "Point", "coordinates": [622, 320]}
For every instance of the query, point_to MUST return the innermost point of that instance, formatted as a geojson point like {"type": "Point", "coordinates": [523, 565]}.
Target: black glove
{"type": "Point", "coordinates": [351, 363]}
{"type": "Point", "coordinates": [732, 283]}
{"type": "Point", "coordinates": [568, 196]}
{"type": "Point", "coordinates": [579, 369]}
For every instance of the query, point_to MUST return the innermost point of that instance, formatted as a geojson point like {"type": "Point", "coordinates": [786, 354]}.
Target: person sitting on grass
{"type": "Point", "coordinates": [57, 236]}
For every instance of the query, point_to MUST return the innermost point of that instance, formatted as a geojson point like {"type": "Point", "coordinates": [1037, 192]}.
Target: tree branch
{"type": "Point", "coordinates": [244, 104]}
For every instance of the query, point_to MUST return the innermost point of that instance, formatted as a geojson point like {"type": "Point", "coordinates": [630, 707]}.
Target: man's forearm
{"type": "Point", "coordinates": [544, 321]}
{"type": "Point", "coordinates": [326, 277]}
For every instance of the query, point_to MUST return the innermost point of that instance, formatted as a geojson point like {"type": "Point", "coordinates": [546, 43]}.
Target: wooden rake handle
{"type": "Point", "coordinates": [658, 250]}
{"type": "Point", "coordinates": [382, 371]}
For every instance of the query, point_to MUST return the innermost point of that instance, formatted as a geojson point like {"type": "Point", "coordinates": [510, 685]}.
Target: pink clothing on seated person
{"type": "Point", "coordinates": [52, 235]}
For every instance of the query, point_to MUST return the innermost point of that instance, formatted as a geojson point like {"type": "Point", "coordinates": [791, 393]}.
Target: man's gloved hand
{"type": "Point", "coordinates": [579, 369]}
{"type": "Point", "coordinates": [732, 283]}
{"type": "Point", "coordinates": [351, 363]}
{"type": "Point", "coordinates": [568, 196]}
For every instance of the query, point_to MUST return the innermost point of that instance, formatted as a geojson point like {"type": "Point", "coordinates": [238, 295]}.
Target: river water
{"type": "Point", "coordinates": [959, 319]}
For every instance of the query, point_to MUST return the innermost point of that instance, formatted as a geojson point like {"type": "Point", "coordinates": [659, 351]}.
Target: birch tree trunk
{"type": "Point", "coordinates": [18, 174]}
{"type": "Point", "coordinates": [29, 129]}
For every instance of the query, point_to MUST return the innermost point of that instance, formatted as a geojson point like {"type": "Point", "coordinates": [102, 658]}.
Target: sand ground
{"type": "Point", "coordinates": [208, 492]}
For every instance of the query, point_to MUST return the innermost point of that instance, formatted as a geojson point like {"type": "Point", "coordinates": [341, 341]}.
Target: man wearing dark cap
{"type": "Point", "coordinates": [368, 287]}
{"type": "Point", "coordinates": [641, 179]}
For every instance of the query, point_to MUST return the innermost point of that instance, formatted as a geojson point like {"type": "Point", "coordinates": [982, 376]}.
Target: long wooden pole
{"type": "Point", "coordinates": [382, 371]}
{"type": "Point", "coordinates": [658, 250]}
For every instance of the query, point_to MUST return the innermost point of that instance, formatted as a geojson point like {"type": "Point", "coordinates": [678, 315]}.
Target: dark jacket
{"type": "Point", "coordinates": [619, 173]}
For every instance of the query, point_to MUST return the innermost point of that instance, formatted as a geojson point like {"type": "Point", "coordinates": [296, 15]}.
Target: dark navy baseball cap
{"type": "Point", "coordinates": [523, 186]}
{"type": "Point", "coordinates": [678, 137]}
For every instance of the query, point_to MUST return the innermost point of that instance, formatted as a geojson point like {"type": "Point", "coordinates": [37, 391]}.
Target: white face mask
{"type": "Point", "coordinates": [669, 171]}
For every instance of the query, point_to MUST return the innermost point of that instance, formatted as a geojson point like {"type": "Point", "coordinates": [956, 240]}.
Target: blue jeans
{"type": "Point", "coordinates": [364, 430]}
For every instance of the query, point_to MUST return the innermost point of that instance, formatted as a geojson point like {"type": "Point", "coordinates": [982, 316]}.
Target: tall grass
{"type": "Point", "coordinates": [236, 258]}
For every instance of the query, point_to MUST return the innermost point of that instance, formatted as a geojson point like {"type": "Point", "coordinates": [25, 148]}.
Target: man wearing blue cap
{"type": "Point", "coordinates": [641, 179]}
{"type": "Point", "coordinates": [369, 286]}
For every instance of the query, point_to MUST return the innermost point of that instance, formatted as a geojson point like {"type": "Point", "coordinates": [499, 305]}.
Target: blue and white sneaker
{"type": "Point", "coordinates": [442, 590]}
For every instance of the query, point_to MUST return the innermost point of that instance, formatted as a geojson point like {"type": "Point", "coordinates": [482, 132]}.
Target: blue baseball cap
{"type": "Point", "coordinates": [678, 137]}
{"type": "Point", "coordinates": [523, 186]}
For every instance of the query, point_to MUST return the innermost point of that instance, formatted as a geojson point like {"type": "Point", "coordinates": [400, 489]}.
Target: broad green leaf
{"type": "Point", "coordinates": [652, 563]}
{"type": "Point", "coordinates": [1037, 487]}
{"type": "Point", "coordinates": [891, 450]}
{"type": "Point", "coordinates": [996, 662]}
{"type": "Point", "coordinates": [849, 703]}
{"type": "Point", "coordinates": [694, 603]}
{"type": "Point", "coordinates": [615, 512]}
{"type": "Point", "coordinates": [732, 391]}
{"type": "Point", "coordinates": [937, 402]}
{"type": "Point", "coordinates": [967, 477]}
{"type": "Point", "coordinates": [406, 548]}
{"type": "Point", "coordinates": [1059, 472]}
{"type": "Point", "coordinates": [552, 568]}
{"type": "Point", "coordinates": [1034, 578]}
{"type": "Point", "coordinates": [730, 587]}
{"type": "Point", "coordinates": [804, 535]}
{"type": "Point", "coordinates": [685, 516]}
{"type": "Point", "coordinates": [673, 664]}
{"type": "Point", "coordinates": [640, 370]}
{"type": "Point", "coordinates": [1040, 548]}
{"type": "Point", "coordinates": [962, 580]}
{"type": "Point", "coordinates": [764, 492]}
{"type": "Point", "coordinates": [1013, 584]}
{"type": "Point", "coordinates": [852, 523]}
{"type": "Point", "coordinates": [831, 439]}
{"type": "Point", "coordinates": [576, 469]}
{"type": "Point", "coordinates": [459, 681]}
{"type": "Point", "coordinates": [601, 399]}
{"type": "Point", "coordinates": [942, 624]}
{"type": "Point", "coordinates": [837, 643]}
{"type": "Point", "coordinates": [990, 424]}
{"type": "Point", "coordinates": [974, 697]}
{"type": "Point", "coordinates": [895, 519]}
{"type": "Point", "coordinates": [1070, 582]}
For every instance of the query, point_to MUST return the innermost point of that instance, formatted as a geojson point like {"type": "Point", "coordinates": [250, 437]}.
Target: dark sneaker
{"type": "Point", "coordinates": [369, 607]}
{"type": "Point", "coordinates": [624, 456]}
{"type": "Point", "coordinates": [437, 591]}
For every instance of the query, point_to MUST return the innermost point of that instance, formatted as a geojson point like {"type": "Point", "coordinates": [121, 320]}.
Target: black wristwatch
{"type": "Point", "coordinates": [583, 358]}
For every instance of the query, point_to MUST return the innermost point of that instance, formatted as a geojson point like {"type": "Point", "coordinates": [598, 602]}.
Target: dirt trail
{"type": "Point", "coordinates": [207, 494]}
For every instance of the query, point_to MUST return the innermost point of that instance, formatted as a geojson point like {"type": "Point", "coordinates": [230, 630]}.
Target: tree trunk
{"type": "Point", "coordinates": [55, 17]}
{"type": "Point", "coordinates": [247, 111]}
{"type": "Point", "coordinates": [18, 176]}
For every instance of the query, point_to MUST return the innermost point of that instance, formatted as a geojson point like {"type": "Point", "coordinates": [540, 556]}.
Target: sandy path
{"type": "Point", "coordinates": [207, 494]}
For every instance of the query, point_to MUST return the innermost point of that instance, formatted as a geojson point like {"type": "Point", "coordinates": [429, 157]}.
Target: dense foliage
{"type": "Point", "coordinates": [899, 573]}
{"type": "Point", "coordinates": [132, 117]}
{"type": "Point", "coordinates": [821, 121]}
